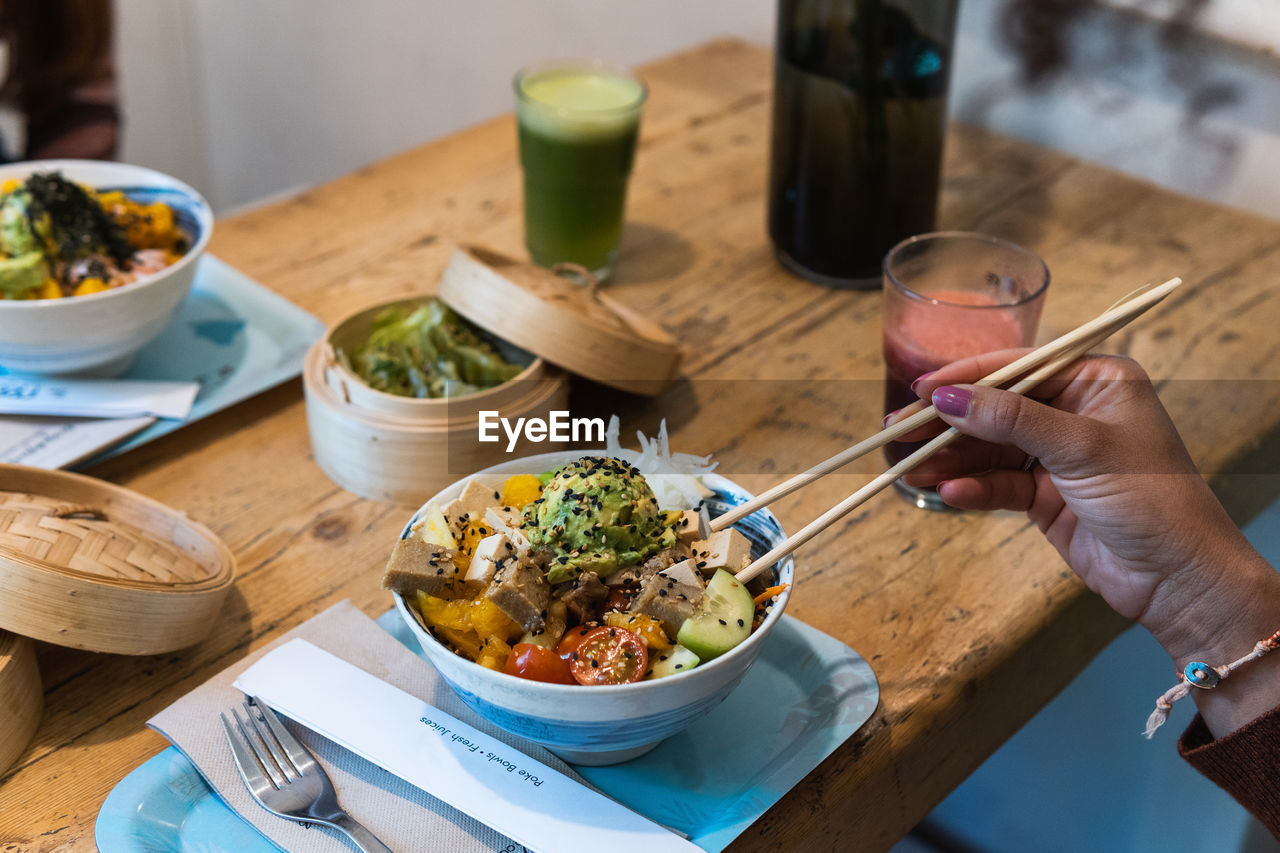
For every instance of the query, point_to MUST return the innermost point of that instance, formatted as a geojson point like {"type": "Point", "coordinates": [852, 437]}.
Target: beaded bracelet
{"type": "Point", "coordinates": [1205, 677]}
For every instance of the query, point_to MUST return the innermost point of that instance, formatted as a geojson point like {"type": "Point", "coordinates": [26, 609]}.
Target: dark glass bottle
{"type": "Point", "coordinates": [859, 113]}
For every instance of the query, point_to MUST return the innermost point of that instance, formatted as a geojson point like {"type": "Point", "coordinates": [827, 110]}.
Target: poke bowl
{"type": "Point", "coordinates": [605, 723]}
{"type": "Point", "coordinates": [90, 310]}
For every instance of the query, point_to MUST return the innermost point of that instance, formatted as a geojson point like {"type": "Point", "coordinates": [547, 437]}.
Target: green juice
{"type": "Point", "coordinates": [577, 128]}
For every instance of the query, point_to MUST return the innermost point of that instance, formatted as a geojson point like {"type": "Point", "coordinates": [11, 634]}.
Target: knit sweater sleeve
{"type": "Point", "coordinates": [1245, 763]}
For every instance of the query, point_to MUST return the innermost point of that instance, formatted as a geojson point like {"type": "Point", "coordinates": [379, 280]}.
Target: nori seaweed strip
{"type": "Point", "coordinates": [79, 225]}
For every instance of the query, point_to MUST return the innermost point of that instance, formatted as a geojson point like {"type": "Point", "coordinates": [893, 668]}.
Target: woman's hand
{"type": "Point", "coordinates": [1115, 491]}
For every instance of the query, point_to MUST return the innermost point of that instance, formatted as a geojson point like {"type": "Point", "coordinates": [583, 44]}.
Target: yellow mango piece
{"type": "Point", "coordinates": [649, 629]}
{"type": "Point", "coordinates": [488, 620]}
{"type": "Point", "coordinates": [48, 290]}
{"type": "Point", "coordinates": [464, 641]}
{"type": "Point", "coordinates": [441, 613]}
{"type": "Point", "coordinates": [520, 490]}
{"type": "Point", "coordinates": [90, 285]}
{"type": "Point", "coordinates": [472, 533]}
{"type": "Point", "coordinates": [10, 185]}
{"type": "Point", "coordinates": [493, 653]}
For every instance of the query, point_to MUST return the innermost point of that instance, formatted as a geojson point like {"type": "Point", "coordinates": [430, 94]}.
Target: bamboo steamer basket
{"type": "Point", "coordinates": [21, 697]}
{"type": "Point", "coordinates": [403, 450]}
{"type": "Point", "coordinates": [95, 566]}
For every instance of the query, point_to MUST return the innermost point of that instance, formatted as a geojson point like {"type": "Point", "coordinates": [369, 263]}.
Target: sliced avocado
{"type": "Point", "coordinates": [16, 236]}
{"type": "Point", "coordinates": [21, 275]}
{"type": "Point", "coordinates": [671, 661]}
{"type": "Point", "coordinates": [722, 620]}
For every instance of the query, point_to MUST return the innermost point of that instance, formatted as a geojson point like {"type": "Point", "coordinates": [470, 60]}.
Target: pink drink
{"type": "Point", "coordinates": [947, 296]}
{"type": "Point", "coordinates": [923, 335]}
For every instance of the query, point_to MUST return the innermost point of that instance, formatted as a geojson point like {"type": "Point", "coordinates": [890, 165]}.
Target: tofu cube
{"type": "Point", "coordinates": [476, 497]}
{"type": "Point", "coordinates": [417, 565]}
{"type": "Point", "coordinates": [506, 520]}
{"type": "Point", "coordinates": [669, 600]}
{"type": "Point", "coordinates": [727, 549]}
{"type": "Point", "coordinates": [692, 526]}
{"type": "Point", "coordinates": [490, 551]}
{"type": "Point", "coordinates": [684, 572]}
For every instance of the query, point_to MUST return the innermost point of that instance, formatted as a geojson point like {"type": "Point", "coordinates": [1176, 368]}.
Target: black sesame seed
{"type": "Point", "coordinates": [722, 622]}
{"type": "Point", "coordinates": [741, 623]}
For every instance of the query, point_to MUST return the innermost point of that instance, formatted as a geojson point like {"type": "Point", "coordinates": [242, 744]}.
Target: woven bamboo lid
{"type": "Point", "coordinates": [21, 697]}
{"type": "Point", "coordinates": [576, 327]}
{"type": "Point", "coordinates": [91, 565]}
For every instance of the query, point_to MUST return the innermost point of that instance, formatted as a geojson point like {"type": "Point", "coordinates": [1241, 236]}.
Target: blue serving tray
{"type": "Point", "coordinates": [231, 334]}
{"type": "Point", "coordinates": [805, 695]}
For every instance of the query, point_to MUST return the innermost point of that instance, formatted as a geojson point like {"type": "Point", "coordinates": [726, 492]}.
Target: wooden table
{"type": "Point", "coordinates": [971, 621]}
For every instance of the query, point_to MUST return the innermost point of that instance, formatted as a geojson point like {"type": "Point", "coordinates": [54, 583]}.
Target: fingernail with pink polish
{"type": "Point", "coordinates": [884, 422]}
{"type": "Point", "coordinates": [922, 377]}
{"type": "Point", "coordinates": [952, 400]}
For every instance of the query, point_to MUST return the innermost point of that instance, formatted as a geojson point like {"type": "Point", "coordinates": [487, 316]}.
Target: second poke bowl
{"type": "Point", "coordinates": [82, 286]}
{"type": "Point", "coordinates": [606, 723]}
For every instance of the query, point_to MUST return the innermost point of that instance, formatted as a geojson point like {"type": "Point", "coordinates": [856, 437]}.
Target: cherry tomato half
{"type": "Point", "coordinates": [531, 661]}
{"type": "Point", "coordinates": [607, 655]}
{"type": "Point", "coordinates": [571, 640]}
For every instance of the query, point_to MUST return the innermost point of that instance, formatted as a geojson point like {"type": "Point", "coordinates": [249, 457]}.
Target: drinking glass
{"type": "Point", "coordinates": [949, 295]}
{"type": "Point", "coordinates": [577, 123]}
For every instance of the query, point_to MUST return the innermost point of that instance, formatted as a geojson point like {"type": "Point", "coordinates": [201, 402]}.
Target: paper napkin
{"type": "Point", "coordinates": [404, 817]}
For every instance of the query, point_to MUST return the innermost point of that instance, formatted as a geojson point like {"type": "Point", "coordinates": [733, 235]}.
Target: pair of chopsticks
{"type": "Point", "coordinates": [1038, 365]}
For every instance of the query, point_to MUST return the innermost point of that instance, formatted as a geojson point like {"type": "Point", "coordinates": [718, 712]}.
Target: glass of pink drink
{"type": "Point", "coordinates": [947, 296]}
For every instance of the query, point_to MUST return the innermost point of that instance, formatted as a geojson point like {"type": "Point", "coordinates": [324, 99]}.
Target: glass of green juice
{"type": "Point", "coordinates": [578, 123]}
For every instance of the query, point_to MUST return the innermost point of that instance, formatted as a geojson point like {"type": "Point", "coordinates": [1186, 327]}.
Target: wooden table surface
{"type": "Point", "coordinates": [971, 621]}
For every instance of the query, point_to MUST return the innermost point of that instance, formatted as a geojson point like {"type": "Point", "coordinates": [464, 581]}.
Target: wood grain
{"type": "Point", "coordinates": [971, 621]}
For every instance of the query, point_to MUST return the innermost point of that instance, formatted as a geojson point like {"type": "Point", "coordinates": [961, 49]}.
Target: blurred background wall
{"type": "Point", "coordinates": [249, 99]}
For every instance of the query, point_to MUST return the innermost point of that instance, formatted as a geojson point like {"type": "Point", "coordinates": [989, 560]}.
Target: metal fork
{"type": "Point", "coordinates": [284, 777]}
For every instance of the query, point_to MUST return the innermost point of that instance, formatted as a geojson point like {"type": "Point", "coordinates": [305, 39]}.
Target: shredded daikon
{"type": "Point", "coordinates": [674, 477]}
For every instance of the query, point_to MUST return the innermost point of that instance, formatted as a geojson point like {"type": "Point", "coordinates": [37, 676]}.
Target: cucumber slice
{"type": "Point", "coordinates": [722, 620]}
{"type": "Point", "coordinates": [671, 661]}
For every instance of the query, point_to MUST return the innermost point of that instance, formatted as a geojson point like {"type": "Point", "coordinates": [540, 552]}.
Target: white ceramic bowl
{"type": "Point", "coordinates": [100, 333]}
{"type": "Point", "coordinates": [604, 725]}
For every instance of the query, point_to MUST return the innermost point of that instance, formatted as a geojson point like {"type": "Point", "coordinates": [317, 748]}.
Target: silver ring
{"type": "Point", "coordinates": [1030, 463]}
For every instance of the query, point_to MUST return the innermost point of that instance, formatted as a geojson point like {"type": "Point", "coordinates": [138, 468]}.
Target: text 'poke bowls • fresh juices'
{"type": "Point", "coordinates": [948, 296]}
{"type": "Point", "coordinates": [578, 124]}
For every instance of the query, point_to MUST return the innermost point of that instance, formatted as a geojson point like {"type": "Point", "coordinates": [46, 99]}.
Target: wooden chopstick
{"type": "Point", "coordinates": [1099, 329]}
{"type": "Point", "coordinates": [1126, 309]}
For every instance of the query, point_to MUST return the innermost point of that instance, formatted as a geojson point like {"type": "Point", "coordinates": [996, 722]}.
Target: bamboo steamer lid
{"type": "Point", "coordinates": [21, 697]}
{"type": "Point", "coordinates": [91, 565]}
{"type": "Point", "coordinates": [579, 328]}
